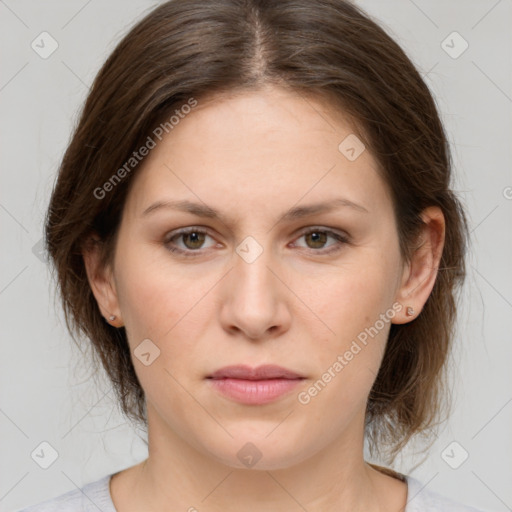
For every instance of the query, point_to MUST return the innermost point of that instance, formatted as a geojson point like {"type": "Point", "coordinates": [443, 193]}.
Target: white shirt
{"type": "Point", "coordinates": [95, 497]}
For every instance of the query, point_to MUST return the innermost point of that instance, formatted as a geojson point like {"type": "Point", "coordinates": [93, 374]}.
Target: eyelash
{"type": "Point", "coordinates": [342, 239]}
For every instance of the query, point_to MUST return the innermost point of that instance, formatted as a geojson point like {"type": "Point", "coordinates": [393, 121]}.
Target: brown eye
{"type": "Point", "coordinates": [187, 241]}
{"type": "Point", "coordinates": [193, 240]}
{"type": "Point", "coordinates": [316, 239]}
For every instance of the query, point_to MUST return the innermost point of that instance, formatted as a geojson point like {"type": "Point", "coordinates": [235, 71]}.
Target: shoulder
{"type": "Point", "coordinates": [420, 499]}
{"type": "Point", "coordinates": [90, 498]}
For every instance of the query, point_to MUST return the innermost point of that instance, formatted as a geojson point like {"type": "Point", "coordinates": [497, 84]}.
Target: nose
{"type": "Point", "coordinates": [255, 301]}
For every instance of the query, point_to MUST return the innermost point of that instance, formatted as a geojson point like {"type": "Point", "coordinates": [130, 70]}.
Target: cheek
{"type": "Point", "coordinates": [159, 304]}
{"type": "Point", "coordinates": [359, 312]}
{"type": "Point", "coordinates": [152, 295]}
{"type": "Point", "coordinates": [355, 302]}
{"type": "Point", "coordinates": [352, 297]}
{"type": "Point", "coordinates": [169, 307]}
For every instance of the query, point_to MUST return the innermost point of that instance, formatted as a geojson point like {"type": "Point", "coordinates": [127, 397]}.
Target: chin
{"type": "Point", "coordinates": [254, 450]}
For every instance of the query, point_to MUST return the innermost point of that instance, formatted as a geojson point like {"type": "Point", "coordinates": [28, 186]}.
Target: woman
{"type": "Point", "coordinates": [253, 226]}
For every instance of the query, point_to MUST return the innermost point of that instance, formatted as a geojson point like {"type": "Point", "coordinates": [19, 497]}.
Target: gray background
{"type": "Point", "coordinates": [47, 393]}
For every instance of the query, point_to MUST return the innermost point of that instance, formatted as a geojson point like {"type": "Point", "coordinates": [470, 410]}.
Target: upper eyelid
{"type": "Point", "coordinates": [208, 231]}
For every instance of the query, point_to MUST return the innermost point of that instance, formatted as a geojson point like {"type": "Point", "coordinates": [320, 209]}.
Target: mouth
{"type": "Point", "coordinates": [254, 386]}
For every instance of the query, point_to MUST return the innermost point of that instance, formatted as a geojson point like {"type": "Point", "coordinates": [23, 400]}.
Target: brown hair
{"type": "Point", "coordinates": [328, 48]}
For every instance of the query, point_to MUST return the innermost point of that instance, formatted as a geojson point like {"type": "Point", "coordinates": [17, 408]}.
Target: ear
{"type": "Point", "coordinates": [101, 281]}
{"type": "Point", "coordinates": [419, 275]}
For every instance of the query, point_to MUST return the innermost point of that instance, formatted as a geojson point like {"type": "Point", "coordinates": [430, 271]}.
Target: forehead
{"type": "Point", "coordinates": [256, 149]}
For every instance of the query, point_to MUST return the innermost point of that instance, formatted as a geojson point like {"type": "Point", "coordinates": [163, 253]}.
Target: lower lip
{"type": "Point", "coordinates": [254, 392]}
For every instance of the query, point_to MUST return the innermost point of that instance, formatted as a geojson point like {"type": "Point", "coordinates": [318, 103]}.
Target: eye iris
{"type": "Point", "coordinates": [196, 237]}
{"type": "Point", "coordinates": [318, 238]}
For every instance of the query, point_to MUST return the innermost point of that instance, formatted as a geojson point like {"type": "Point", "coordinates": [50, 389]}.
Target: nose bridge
{"type": "Point", "coordinates": [253, 279]}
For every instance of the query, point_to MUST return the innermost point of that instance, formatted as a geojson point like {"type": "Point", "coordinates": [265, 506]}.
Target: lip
{"type": "Point", "coordinates": [254, 386]}
{"type": "Point", "coordinates": [263, 372]}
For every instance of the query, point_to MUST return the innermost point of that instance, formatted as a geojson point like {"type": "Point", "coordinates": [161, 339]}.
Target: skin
{"type": "Point", "coordinates": [253, 156]}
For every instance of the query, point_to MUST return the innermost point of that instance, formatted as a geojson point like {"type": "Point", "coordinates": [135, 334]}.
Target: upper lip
{"type": "Point", "coordinates": [263, 372]}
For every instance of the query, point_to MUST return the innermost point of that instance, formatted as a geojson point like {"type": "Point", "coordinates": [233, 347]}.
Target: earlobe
{"type": "Point", "coordinates": [420, 273]}
{"type": "Point", "coordinates": [101, 282]}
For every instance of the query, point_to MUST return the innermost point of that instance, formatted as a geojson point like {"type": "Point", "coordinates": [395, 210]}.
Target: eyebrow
{"type": "Point", "coordinates": [297, 212]}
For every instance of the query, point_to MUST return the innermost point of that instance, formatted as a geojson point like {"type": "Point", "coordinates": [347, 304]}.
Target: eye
{"type": "Point", "coordinates": [193, 239]}
{"type": "Point", "coordinates": [316, 238]}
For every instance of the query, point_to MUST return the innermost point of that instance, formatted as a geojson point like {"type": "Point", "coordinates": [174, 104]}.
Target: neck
{"type": "Point", "coordinates": [176, 476]}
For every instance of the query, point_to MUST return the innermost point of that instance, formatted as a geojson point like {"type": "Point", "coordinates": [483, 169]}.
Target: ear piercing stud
{"type": "Point", "coordinates": [112, 318]}
{"type": "Point", "coordinates": [409, 311]}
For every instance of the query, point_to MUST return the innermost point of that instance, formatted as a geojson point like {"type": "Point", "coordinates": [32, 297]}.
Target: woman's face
{"type": "Point", "coordinates": [261, 278]}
